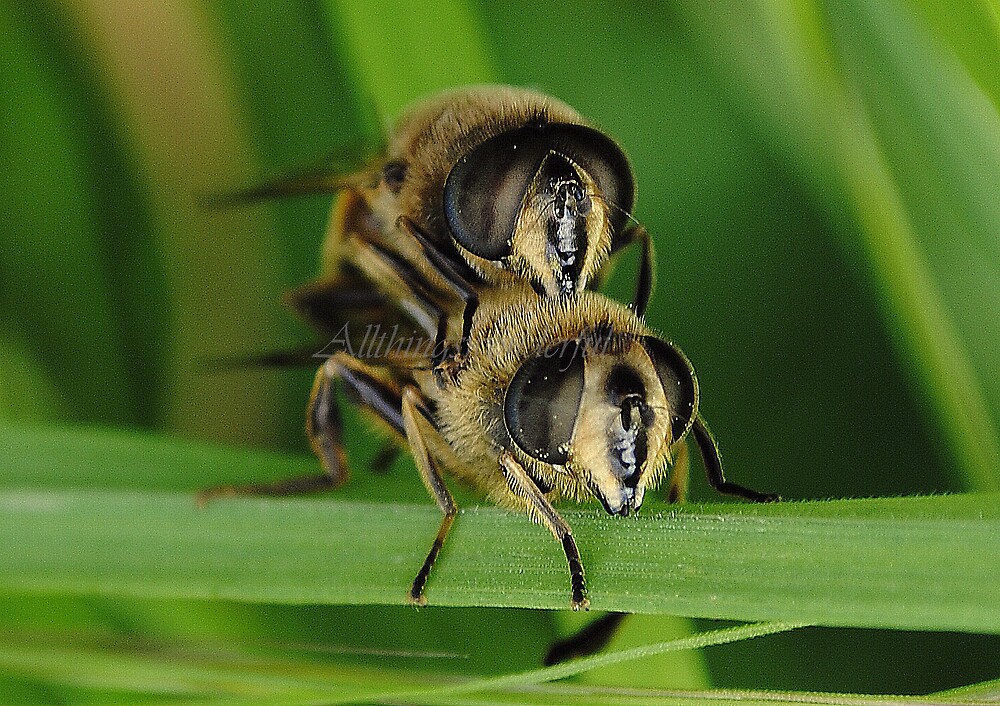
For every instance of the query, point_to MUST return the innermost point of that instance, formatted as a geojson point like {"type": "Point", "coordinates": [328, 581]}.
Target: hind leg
{"type": "Point", "coordinates": [324, 428]}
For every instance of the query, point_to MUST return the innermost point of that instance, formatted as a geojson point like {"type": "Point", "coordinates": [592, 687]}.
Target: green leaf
{"type": "Point", "coordinates": [914, 563]}
{"type": "Point", "coordinates": [204, 673]}
{"type": "Point", "coordinates": [902, 148]}
{"type": "Point", "coordinates": [171, 98]}
{"type": "Point", "coordinates": [67, 202]}
{"type": "Point", "coordinates": [817, 176]}
{"type": "Point", "coordinates": [934, 139]}
{"type": "Point", "coordinates": [26, 392]}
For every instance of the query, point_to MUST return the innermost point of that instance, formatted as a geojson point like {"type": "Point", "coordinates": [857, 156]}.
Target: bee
{"type": "Point", "coordinates": [514, 182]}
{"type": "Point", "coordinates": [488, 216]}
{"type": "Point", "coordinates": [479, 186]}
{"type": "Point", "coordinates": [562, 398]}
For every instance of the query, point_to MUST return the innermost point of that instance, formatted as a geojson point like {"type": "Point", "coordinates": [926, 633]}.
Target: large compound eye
{"type": "Point", "coordinates": [679, 383]}
{"type": "Point", "coordinates": [485, 191]}
{"type": "Point", "coordinates": [542, 403]}
{"type": "Point", "coordinates": [599, 156]}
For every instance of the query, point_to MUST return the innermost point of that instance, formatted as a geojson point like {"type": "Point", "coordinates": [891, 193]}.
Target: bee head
{"type": "Point", "coordinates": [543, 200]}
{"type": "Point", "coordinates": [606, 414]}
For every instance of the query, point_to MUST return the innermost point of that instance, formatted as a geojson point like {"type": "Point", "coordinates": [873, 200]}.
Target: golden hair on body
{"type": "Point", "coordinates": [561, 392]}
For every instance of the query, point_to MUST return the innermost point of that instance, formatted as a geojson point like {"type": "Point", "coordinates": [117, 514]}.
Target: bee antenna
{"type": "Point", "coordinates": [615, 207]}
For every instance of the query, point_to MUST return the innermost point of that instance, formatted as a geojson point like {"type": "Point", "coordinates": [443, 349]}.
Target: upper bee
{"type": "Point", "coordinates": [513, 182]}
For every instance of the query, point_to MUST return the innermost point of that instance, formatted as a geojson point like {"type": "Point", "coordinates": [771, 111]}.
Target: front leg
{"type": "Point", "coordinates": [459, 278]}
{"type": "Point", "coordinates": [541, 509]}
{"type": "Point", "coordinates": [713, 467]}
{"type": "Point", "coordinates": [647, 270]}
{"type": "Point", "coordinates": [404, 285]}
{"type": "Point", "coordinates": [646, 274]}
{"type": "Point", "coordinates": [416, 425]}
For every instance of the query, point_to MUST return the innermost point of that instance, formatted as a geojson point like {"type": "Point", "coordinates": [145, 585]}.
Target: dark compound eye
{"type": "Point", "coordinates": [394, 174]}
{"type": "Point", "coordinates": [542, 403]}
{"type": "Point", "coordinates": [599, 156]}
{"type": "Point", "coordinates": [485, 191]}
{"type": "Point", "coordinates": [679, 383]}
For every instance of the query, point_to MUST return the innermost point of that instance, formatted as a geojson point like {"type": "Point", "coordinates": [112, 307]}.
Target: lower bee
{"type": "Point", "coordinates": [560, 399]}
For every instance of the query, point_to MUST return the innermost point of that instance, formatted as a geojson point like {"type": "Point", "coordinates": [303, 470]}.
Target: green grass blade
{"type": "Point", "coordinates": [938, 137]}
{"type": "Point", "coordinates": [169, 87]}
{"type": "Point", "coordinates": [27, 393]}
{"type": "Point", "coordinates": [574, 667]}
{"type": "Point", "coordinates": [917, 563]}
{"type": "Point", "coordinates": [983, 692]}
{"type": "Point", "coordinates": [54, 268]}
{"type": "Point", "coordinates": [972, 29]}
{"type": "Point", "coordinates": [191, 671]}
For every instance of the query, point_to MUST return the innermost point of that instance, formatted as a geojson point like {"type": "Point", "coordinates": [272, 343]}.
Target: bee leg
{"type": "Point", "coordinates": [677, 490]}
{"type": "Point", "coordinates": [410, 290]}
{"type": "Point", "coordinates": [316, 181]}
{"type": "Point", "coordinates": [384, 458]}
{"type": "Point", "coordinates": [304, 356]}
{"type": "Point", "coordinates": [323, 427]}
{"type": "Point", "coordinates": [413, 418]}
{"type": "Point", "coordinates": [713, 467]}
{"type": "Point", "coordinates": [596, 635]}
{"type": "Point", "coordinates": [540, 508]}
{"type": "Point", "coordinates": [592, 638]}
{"type": "Point", "coordinates": [459, 277]}
{"type": "Point", "coordinates": [647, 263]}
{"type": "Point", "coordinates": [322, 303]}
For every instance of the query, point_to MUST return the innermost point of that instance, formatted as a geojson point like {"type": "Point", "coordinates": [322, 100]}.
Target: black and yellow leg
{"type": "Point", "coordinates": [327, 304]}
{"type": "Point", "coordinates": [713, 467]}
{"type": "Point", "coordinates": [677, 488]}
{"type": "Point", "coordinates": [592, 638]}
{"type": "Point", "coordinates": [417, 426]}
{"type": "Point", "coordinates": [596, 635]}
{"type": "Point", "coordinates": [324, 428]}
{"type": "Point", "coordinates": [456, 274]}
{"type": "Point", "coordinates": [400, 282]}
{"type": "Point", "coordinates": [413, 294]}
{"type": "Point", "coordinates": [384, 458]}
{"type": "Point", "coordinates": [540, 508]}
{"type": "Point", "coordinates": [647, 261]}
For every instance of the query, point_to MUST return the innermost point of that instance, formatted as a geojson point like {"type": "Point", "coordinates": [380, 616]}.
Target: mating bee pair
{"type": "Point", "coordinates": [486, 222]}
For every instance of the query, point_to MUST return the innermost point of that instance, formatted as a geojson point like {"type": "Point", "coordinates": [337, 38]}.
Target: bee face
{"type": "Point", "coordinates": [606, 417]}
{"type": "Point", "coordinates": [513, 182]}
{"type": "Point", "coordinates": [543, 199]}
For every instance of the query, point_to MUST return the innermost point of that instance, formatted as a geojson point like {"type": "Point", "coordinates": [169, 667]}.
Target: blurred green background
{"type": "Point", "coordinates": [820, 178]}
